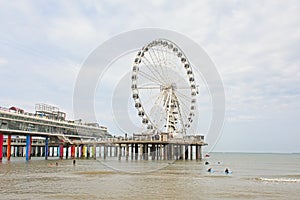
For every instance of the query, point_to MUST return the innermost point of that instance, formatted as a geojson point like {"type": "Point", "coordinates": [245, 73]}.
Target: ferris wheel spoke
{"type": "Point", "coordinates": [182, 103]}
{"type": "Point", "coordinates": [157, 102]}
{"type": "Point", "coordinates": [186, 110]}
{"type": "Point", "coordinates": [180, 79]}
{"type": "Point", "coordinates": [150, 78]}
{"type": "Point", "coordinates": [153, 69]}
{"type": "Point", "coordinates": [162, 74]}
{"type": "Point", "coordinates": [184, 113]}
{"type": "Point", "coordinates": [168, 61]}
{"type": "Point", "coordinates": [183, 88]}
{"type": "Point", "coordinates": [182, 116]}
{"type": "Point", "coordinates": [149, 87]}
{"type": "Point", "coordinates": [150, 99]}
{"type": "Point", "coordinates": [162, 59]}
{"type": "Point", "coordinates": [183, 95]}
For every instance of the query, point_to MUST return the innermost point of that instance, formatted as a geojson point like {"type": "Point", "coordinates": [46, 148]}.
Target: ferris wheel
{"type": "Point", "coordinates": [164, 88]}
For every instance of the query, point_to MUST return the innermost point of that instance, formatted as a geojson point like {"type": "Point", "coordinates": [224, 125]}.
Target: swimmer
{"type": "Point", "coordinates": [226, 171]}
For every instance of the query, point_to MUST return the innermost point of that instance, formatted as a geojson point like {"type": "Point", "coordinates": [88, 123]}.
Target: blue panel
{"type": "Point", "coordinates": [27, 147]}
{"type": "Point", "coordinates": [46, 147]}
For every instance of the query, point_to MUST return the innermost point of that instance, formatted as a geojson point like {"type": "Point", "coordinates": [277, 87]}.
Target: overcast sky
{"type": "Point", "coordinates": [254, 44]}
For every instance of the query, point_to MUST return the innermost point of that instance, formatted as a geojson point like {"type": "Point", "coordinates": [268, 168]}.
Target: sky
{"type": "Point", "coordinates": [254, 44]}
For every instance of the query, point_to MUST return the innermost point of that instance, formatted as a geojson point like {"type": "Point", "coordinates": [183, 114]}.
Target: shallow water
{"type": "Point", "coordinates": [255, 176]}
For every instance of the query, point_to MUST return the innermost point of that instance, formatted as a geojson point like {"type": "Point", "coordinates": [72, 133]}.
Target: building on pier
{"type": "Point", "coordinates": [47, 120]}
{"type": "Point", "coordinates": [47, 127]}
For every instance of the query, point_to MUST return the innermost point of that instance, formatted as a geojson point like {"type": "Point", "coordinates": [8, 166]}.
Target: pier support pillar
{"type": "Point", "coordinates": [191, 152]}
{"type": "Point", "coordinates": [104, 152]}
{"type": "Point", "coordinates": [141, 151]}
{"type": "Point", "coordinates": [46, 147]}
{"type": "Point", "coordinates": [176, 151]}
{"type": "Point", "coordinates": [67, 151]}
{"type": "Point", "coordinates": [78, 150]}
{"type": "Point", "coordinates": [169, 151]}
{"type": "Point", "coordinates": [127, 151]}
{"type": "Point", "coordinates": [83, 153]}
{"type": "Point", "coordinates": [147, 151]}
{"type": "Point", "coordinates": [153, 151]}
{"type": "Point", "coordinates": [110, 151]}
{"type": "Point", "coordinates": [116, 151]}
{"type": "Point", "coordinates": [28, 147]}
{"type": "Point", "coordinates": [8, 149]}
{"type": "Point", "coordinates": [132, 146]}
{"type": "Point", "coordinates": [186, 152]}
{"type": "Point", "coordinates": [52, 153]}
{"type": "Point", "coordinates": [94, 151]}
{"type": "Point", "coordinates": [88, 151]}
{"type": "Point", "coordinates": [100, 148]}
{"type": "Point", "coordinates": [15, 151]}
{"type": "Point", "coordinates": [197, 152]}
{"type": "Point", "coordinates": [73, 151]}
{"type": "Point", "coordinates": [61, 151]}
{"type": "Point", "coordinates": [1, 146]}
{"type": "Point", "coordinates": [160, 151]}
{"type": "Point", "coordinates": [120, 151]}
{"type": "Point", "coordinates": [136, 151]}
{"type": "Point", "coordinates": [165, 152]}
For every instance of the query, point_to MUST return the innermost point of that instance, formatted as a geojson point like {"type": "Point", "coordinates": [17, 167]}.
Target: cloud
{"type": "Point", "coordinates": [3, 61]}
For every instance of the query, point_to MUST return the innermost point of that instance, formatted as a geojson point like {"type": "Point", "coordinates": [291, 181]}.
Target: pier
{"type": "Point", "coordinates": [48, 134]}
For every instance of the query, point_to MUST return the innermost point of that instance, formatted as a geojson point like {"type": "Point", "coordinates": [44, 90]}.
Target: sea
{"type": "Point", "coordinates": [252, 176]}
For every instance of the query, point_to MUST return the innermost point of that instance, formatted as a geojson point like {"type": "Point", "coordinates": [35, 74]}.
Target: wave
{"type": "Point", "coordinates": [278, 180]}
